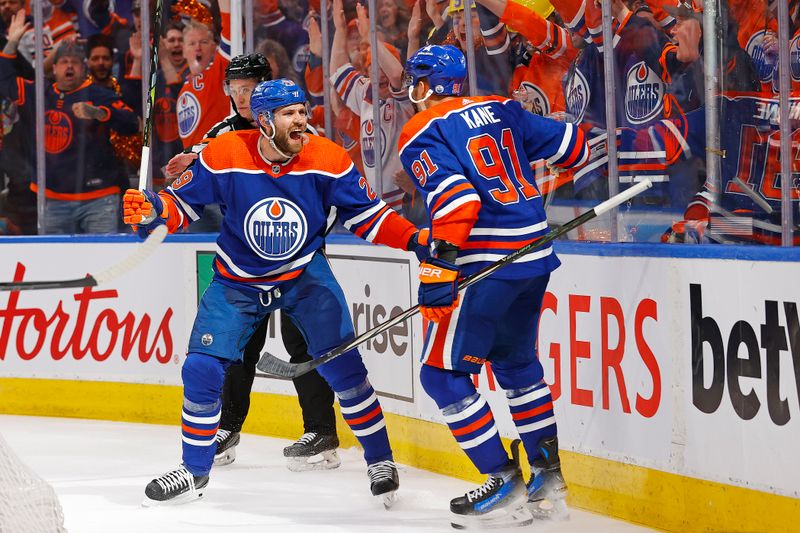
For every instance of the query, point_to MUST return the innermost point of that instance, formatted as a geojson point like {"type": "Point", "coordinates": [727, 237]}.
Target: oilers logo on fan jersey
{"type": "Point", "coordinates": [188, 110]}
{"type": "Point", "coordinates": [765, 66]}
{"type": "Point", "coordinates": [644, 97]}
{"type": "Point", "coordinates": [368, 142]}
{"type": "Point", "coordinates": [577, 92]}
{"type": "Point", "coordinates": [275, 228]}
{"type": "Point", "coordinates": [537, 97]}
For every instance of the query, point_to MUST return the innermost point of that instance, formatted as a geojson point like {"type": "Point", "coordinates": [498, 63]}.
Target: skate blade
{"type": "Point", "coordinates": [184, 498]}
{"type": "Point", "coordinates": [555, 511]}
{"type": "Point", "coordinates": [388, 499]}
{"type": "Point", "coordinates": [520, 516]}
{"type": "Point", "coordinates": [327, 460]}
{"type": "Point", "coordinates": [226, 457]}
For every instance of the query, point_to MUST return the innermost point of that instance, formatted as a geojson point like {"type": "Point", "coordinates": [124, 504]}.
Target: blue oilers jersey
{"type": "Point", "coordinates": [750, 138]}
{"type": "Point", "coordinates": [470, 158]}
{"type": "Point", "coordinates": [275, 216]}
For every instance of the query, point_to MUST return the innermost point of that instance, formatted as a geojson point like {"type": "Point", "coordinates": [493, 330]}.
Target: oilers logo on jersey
{"type": "Point", "coordinates": [188, 110]}
{"type": "Point", "coordinates": [644, 98]}
{"type": "Point", "coordinates": [537, 97]}
{"type": "Point", "coordinates": [577, 95]}
{"type": "Point", "coordinates": [765, 65]}
{"type": "Point", "coordinates": [276, 228]}
{"type": "Point", "coordinates": [794, 58]}
{"type": "Point", "coordinates": [368, 142]}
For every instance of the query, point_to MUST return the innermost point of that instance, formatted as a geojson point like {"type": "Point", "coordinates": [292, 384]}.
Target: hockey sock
{"type": "Point", "coordinates": [529, 400]}
{"type": "Point", "coordinates": [362, 412]}
{"type": "Point", "coordinates": [532, 411]}
{"type": "Point", "coordinates": [467, 415]}
{"type": "Point", "coordinates": [203, 376]}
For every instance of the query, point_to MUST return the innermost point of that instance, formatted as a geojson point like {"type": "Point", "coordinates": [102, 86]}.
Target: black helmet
{"type": "Point", "coordinates": [248, 66]}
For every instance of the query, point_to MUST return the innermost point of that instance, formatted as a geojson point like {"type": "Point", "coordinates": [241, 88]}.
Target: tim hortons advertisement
{"type": "Point", "coordinates": [133, 329]}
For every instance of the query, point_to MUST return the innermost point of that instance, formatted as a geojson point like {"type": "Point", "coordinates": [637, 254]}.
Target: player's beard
{"type": "Point", "coordinates": [287, 145]}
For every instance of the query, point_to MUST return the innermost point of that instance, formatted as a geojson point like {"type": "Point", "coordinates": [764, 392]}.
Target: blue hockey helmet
{"type": "Point", "coordinates": [444, 67]}
{"type": "Point", "coordinates": [270, 95]}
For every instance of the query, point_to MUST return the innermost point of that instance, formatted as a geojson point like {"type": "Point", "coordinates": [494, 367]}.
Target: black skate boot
{"type": "Point", "coordinates": [547, 491]}
{"type": "Point", "coordinates": [226, 447]}
{"type": "Point", "coordinates": [313, 451]}
{"type": "Point", "coordinates": [384, 481]}
{"type": "Point", "coordinates": [175, 487]}
{"type": "Point", "coordinates": [500, 502]}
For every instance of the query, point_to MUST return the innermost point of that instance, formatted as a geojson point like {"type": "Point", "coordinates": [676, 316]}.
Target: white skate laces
{"type": "Point", "coordinates": [175, 480]}
{"type": "Point", "coordinates": [484, 489]}
{"type": "Point", "coordinates": [222, 434]}
{"type": "Point", "coordinates": [380, 471]}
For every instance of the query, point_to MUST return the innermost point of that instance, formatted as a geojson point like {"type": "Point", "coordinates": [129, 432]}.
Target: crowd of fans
{"type": "Point", "coordinates": [547, 54]}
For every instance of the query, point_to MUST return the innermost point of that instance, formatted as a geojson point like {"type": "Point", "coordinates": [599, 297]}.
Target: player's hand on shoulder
{"type": "Point", "coordinates": [179, 163]}
{"type": "Point", "coordinates": [438, 288]}
{"type": "Point", "coordinates": [142, 210]}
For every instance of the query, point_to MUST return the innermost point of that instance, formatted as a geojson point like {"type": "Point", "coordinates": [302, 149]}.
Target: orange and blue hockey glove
{"type": "Point", "coordinates": [142, 210]}
{"type": "Point", "coordinates": [438, 288]}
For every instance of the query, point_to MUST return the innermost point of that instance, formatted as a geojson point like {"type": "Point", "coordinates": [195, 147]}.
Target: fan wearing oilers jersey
{"type": "Point", "coordinates": [316, 448]}
{"type": "Point", "coordinates": [470, 157]}
{"type": "Point", "coordinates": [278, 190]}
{"type": "Point", "coordinates": [355, 90]}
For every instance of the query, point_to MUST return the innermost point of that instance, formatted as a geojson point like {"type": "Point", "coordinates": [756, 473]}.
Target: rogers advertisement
{"type": "Point", "coordinates": [690, 366]}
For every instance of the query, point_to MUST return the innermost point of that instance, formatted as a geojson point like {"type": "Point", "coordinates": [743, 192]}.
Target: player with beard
{"type": "Point", "coordinates": [319, 438]}
{"type": "Point", "coordinates": [281, 189]}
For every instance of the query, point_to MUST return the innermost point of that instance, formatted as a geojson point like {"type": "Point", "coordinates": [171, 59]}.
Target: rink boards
{"type": "Point", "coordinates": [676, 379]}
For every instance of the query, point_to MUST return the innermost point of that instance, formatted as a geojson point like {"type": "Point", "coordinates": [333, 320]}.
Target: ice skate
{"type": "Point", "coordinates": [500, 502]}
{"type": "Point", "coordinates": [313, 451]}
{"type": "Point", "coordinates": [226, 447]}
{"type": "Point", "coordinates": [384, 481]}
{"type": "Point", "coordinates": [547, 491]}
{"type": "Point", "coordinates": [173, 488]}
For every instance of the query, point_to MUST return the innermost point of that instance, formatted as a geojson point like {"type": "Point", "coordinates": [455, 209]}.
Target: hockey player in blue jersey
{"type": "Point", "coordinates": [278, 190]}
{"type": "Point", "coordinates": [470, 157]}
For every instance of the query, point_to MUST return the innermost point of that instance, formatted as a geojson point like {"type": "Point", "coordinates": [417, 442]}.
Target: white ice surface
{"type": "Point", "coordinates": [99, 471]}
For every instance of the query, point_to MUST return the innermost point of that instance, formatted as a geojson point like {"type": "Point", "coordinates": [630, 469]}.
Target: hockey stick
{"type": "Point", "coordinates": [147, 133]}
{"type": "Point", "coordinates": [137, 257]}
{"type": "Point", "coordinates": [270, 364]}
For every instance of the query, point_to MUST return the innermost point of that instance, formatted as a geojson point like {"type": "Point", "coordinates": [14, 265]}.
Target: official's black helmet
{"type": "Point", "coordinates": [249, 67]}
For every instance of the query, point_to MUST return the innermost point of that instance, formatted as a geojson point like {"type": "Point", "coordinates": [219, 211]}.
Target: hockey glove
{"type": "Point", "coordinates": [438, 289]}
{"type": "Point", "coordinates": [142, 210]}
{"type": "Point", "coordinates": [419, 243]}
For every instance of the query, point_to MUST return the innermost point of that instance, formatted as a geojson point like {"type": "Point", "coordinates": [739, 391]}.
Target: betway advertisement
{"type": "Point", "coordinates": [690, 366]}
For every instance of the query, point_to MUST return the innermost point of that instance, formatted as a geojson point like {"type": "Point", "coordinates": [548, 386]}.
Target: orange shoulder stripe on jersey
{"type": "Point", "coordinates": [449, 194]}
{"type": "Point", "coordinates": [455, 226]}
{"type": "Point", "coordinates": [421, 121]}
